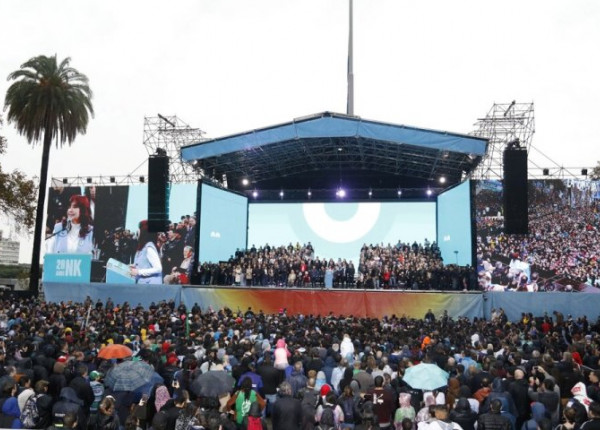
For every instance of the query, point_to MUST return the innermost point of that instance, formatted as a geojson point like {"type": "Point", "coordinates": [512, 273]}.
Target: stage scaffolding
{"type": "Point", "coordinates": [170, 133]}
{"type": "Point", "coordinates": [504, 123]}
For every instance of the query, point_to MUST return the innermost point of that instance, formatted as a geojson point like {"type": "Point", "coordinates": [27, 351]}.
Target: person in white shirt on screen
{"type": "Point", "coordinates": [74, 234]}
{"type": "Point", "coordinates": [147, 268]}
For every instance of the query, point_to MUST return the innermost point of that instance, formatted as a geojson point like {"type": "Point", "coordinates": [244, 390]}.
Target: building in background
{"type": "Point", "coordinates": [9, 250]}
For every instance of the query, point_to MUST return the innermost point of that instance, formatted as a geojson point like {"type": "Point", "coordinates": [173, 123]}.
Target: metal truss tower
{"type": "Point", "coordinates": [170, 133]}
{"type": "Point", "coordinates": [505, 123]}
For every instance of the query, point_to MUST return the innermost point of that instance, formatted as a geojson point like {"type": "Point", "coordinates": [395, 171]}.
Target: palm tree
{"type": "Point", "coordinates": [54, 101]}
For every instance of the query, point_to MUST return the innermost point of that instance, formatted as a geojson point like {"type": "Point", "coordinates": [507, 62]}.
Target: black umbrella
{"type": "Point", "coordinates": [213, 383]}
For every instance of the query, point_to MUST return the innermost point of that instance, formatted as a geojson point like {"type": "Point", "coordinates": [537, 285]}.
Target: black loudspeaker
{"type": "Point", "coordinates": [158, 193]}
{"type": "Point", "coordinates": [515, 191]}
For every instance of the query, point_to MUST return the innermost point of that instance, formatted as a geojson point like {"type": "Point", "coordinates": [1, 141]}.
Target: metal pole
{"type": "Point", "coordinates": [350, 101]}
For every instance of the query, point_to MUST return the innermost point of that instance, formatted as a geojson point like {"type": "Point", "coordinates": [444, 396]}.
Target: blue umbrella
{"type": "Point", "coordinates": [425, 376]}
{"type": "Point", "coordinates": [147, 388]}
{"type": "Point", "coordinates": [129, 375]}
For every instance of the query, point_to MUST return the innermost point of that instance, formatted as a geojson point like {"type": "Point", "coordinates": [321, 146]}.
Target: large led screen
{"type": "Point", "coordinates": [560, 253]}
{"type": "Point", "coordinates": [104, 221]}
{"type": "Point", "coordinates": [223, 224]}
{"type": "Point", "coordinates": [339, 230]}
{"type": "Point", "coordinates": [454, 225]}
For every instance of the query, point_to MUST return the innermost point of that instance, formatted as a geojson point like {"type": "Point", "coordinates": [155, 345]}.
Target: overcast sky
{"type": "Point", "coordinates": [229, 66]}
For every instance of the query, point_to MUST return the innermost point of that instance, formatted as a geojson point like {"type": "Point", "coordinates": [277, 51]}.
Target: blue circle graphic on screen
{"type": "Point", "coordinates": [341, 223]}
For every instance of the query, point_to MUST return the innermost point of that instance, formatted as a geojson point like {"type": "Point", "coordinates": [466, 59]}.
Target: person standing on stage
{"type": "Point", "coordinates": [147, 267]}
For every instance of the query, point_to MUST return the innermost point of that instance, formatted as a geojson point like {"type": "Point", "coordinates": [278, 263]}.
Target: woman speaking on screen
{"type": "Point", "coordinates": [74, 234]}
{"type": "Point", "coordinates": [147, 268]}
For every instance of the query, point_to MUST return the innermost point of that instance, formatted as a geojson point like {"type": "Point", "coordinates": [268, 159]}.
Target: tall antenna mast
{"type": "Point", "coordinates": [350, 101]}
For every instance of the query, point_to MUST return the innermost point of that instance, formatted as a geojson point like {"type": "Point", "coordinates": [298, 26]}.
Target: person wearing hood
{"type": "Point", "coordinates": [281, 355]}
{"type": "Point", "coordinates": [538, 412]}
{"type": "Point", "coordinates": [406, 410]}
{"type": "Point", "coordinates": [580, 402]}
{"type": "Point", "coordinates": [347, 348]}
{"type": "Point", "coordinates": [10, 413]}
{"type": "Point", "coordinates": [499, 393]}
{"type": "Point", "coordinates": [68, 402]}
{"type": "Point", "coordinates": [463, 415]}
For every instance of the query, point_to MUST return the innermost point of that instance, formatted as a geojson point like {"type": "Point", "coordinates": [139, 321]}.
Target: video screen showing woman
{"type": "Point", "coordinates": [73, 234]}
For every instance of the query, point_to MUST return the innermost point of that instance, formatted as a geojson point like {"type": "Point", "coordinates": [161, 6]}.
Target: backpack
{"type": "Point", "coordinates": [30, 417]}
{"type": "Point", "coordinates": [254, 423]}
{"type": "Point", "coordinates": [327, 420]}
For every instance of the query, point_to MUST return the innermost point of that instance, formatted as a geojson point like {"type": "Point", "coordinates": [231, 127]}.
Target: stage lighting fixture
{"type": "Point", "coordinates": [546, 172]}
{"type": "Point", "coordinates": [65, 181]}
{"type": "Point", "coordinates": [309, 193]}
{"type": "Point", "coordinates": [370, 193]}
{"type": "Point", "coordinates": [142, 179]}
{"type": "Point", "coordinates": [255, 194]}
{"type": "Point", "coordinates": [399, 193]}
{"type": "Point", "coordinates": [429, 192]}
{"type": "Point", "coordinates": [281, 194]}
{"type": "Point", "coordinates": [584, 172]}
{"type": "Point", "coordinates": [245, 182]}
{"type": "Point", "coordinates": [113, 179]}
{"type": "Point", "coordinates": [89, 180]}
{"type": "Point", "coordinates": [442, 179]}
{"type": "Point", "coordinates": [341, 193]}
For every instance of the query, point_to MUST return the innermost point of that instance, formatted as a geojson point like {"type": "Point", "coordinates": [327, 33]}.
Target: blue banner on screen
{"type": "Point", "coordinates": [339, 230]}
{"type": "Point", "coordinates": [67, 268]}
{"type": "Point", "coordinates": [454, 225]}
{"type": "Point", "coordinates": [223, 224]}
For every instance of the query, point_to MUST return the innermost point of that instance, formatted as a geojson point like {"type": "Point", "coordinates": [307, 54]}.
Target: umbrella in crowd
{"type": "Point", "coordinates": [129, 376]}
{"type": "Point", "coordinates": [115, 351]}
{"type": "Point", "coordinates": [426, 376]}
{"type": "Point", "coordinates": [212, 383]}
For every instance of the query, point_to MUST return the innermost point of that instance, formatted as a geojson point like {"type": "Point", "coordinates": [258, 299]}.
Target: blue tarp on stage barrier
{"type": "Point", "coordinates": [119, 293]}
{"type": "Point", "coordinates": [537, 303]}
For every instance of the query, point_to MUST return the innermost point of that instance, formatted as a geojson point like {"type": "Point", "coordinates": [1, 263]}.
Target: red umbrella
{"type": "Point", "coordinates": [115, 350]}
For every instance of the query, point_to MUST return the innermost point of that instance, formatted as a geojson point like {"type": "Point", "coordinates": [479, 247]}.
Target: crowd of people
{"type": "Point", "coordinates": [561, 249]}
{"type": "Point", "coordinates": [405, 266]}
{"type": "Point", "coordinates": [219, 369]}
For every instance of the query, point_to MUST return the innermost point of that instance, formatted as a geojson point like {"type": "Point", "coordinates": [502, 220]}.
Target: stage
{"type": "Point", "coordinates": [357, 302]}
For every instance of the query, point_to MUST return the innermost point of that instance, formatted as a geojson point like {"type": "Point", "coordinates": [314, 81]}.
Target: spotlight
{"type": "Point", "coordinates": [399, 193]}
{"type": "Point", "coordinates": [281, 194]}
{"type": "Point", "coordinates": [65, 181]}
{"type": "Point", "coordinates": [89, 180]}
{"type": "Point", "coordinates": [429, 192]}
{"type": "Point", "coordinates": [370, 193]}
{"type": "Point", "coordinates": [442, 179]}
{"type": "Point", "coordinates": [341, 193]}
{"type": "Point", "coordinates": [309, 193]}
{"type": "Point", "coordinates": [245, 182]}
{"type": "Point", "coordinates": [113, 179]}
{"type": "Point", "coordinates": [584, 172]}
{"type": "Point", "coordinates": [255, 194]}
{"type": "Point", "coordinates": [142, 179]}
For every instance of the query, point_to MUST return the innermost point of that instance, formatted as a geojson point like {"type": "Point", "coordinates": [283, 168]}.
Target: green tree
{"type": "Point", "coordinates": [48, 101]}
{"type": "Point", "coordinates": [17, 194]}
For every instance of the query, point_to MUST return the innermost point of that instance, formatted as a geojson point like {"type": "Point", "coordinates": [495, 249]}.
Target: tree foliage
{"type": "Point", "coordinates": [48, 101]}
{"type": "Point", "coordinates": [17, 194]}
